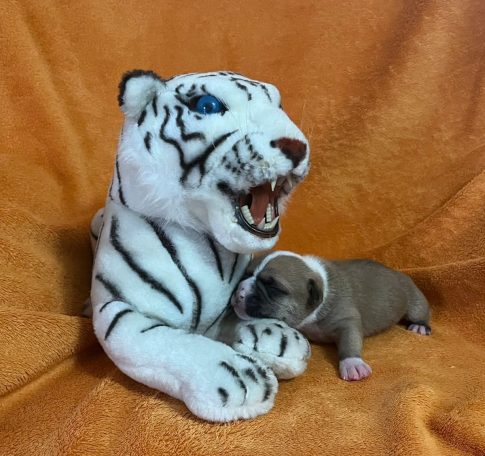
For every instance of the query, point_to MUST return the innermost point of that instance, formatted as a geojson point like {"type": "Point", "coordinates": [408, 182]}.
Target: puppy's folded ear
{"type": "Point", "coordinates": [315, 292]}
{"type": "Point", "coordinates": [137, 89]}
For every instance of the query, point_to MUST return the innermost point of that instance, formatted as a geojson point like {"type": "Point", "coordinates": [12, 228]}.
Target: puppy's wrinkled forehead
{"type": "Point", "coordinates": [290, 269]}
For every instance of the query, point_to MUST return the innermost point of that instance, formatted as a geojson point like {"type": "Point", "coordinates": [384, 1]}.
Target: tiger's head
{"type": "Point", "coordinates": [211, 151]}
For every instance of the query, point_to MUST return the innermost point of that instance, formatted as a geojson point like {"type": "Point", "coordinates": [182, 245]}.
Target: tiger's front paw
{"type": "Point", "coordinates": [238, 387]}
{"type": "Point", "coordinates": [283, 349]}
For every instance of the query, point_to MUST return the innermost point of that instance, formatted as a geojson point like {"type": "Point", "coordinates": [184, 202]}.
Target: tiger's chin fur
{"type": "Point", "coordinates": [205, 165]}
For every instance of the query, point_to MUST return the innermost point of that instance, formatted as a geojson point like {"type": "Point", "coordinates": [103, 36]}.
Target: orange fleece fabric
{"type": "Point", "coordinates": [391, 94]}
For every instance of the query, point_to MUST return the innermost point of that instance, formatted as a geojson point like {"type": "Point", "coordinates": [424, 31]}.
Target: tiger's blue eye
{"type": "Point", "coordinates": [208, 104]}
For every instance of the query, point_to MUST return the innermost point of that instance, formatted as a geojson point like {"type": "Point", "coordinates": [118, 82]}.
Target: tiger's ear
{"type": "Point", "coordinates": [137, 88]}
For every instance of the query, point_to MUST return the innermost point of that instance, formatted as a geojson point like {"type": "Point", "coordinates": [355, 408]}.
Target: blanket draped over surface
{"type": "Point", "coordinates": [391, 95]}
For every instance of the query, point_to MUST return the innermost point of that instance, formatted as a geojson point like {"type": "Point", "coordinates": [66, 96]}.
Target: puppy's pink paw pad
{"type": "Point", "coordinates": [352, 369]}
{"type": "Point", "coordinates": [423, 330]}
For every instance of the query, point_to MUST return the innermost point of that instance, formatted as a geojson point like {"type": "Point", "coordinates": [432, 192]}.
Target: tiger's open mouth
{"type": "Point", "coordinates": [257, 211]}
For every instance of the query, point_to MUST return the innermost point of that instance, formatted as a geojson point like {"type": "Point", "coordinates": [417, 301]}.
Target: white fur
{"type": "Point", "coordinates": [138, 285]}
{"type": "Point", "coordinates": [315, 265]}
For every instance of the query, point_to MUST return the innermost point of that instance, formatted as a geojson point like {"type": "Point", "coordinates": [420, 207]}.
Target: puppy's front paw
{"type": "Point", "coordinates": [283, 349]}
{"type": "Point", "coordinates": [352, 369]}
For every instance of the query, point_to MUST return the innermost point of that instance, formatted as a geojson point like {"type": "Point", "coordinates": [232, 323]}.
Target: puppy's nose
{"type": "Point", "coordinates": [241, 294]}
{"type": "Point", "coordinates": [293, 149]}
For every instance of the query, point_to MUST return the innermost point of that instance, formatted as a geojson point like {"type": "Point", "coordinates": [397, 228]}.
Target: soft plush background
{"type": "Point", "coordinates": [392, 96]}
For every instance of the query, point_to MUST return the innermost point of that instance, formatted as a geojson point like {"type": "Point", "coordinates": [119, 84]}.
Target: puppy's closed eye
{"type": "Point", "coordinates": [272, 286]}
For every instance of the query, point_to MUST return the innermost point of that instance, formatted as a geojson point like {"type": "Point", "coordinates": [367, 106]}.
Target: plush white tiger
{"type": "Point", "coordinates": [204, 166]}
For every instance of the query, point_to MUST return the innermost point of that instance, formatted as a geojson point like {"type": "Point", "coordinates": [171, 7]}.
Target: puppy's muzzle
{"type": "Point", "coordinates": [238, 300]}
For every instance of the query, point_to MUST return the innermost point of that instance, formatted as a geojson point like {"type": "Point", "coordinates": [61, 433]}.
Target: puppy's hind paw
{"type": "Point", "coordinates": [421, 329]}
{"type": "Point", "coordinates": [352, 369]}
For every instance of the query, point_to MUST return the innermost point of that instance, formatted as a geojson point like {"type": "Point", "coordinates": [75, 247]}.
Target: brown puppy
{"type": "Point", "coordinates": [332, 301]}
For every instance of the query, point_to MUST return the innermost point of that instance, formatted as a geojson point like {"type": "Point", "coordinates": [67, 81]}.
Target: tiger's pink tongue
{"type": "Point", "coordinates": [262, 196]}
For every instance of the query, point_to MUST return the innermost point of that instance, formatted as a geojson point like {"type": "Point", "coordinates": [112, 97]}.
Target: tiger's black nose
{"type": "Point", "coordinates": [293, 149]}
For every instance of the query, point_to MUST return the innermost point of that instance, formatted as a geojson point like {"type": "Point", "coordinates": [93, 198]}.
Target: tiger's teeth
{"type": "Point", "coordinates": [273, 185]}
{"type": "Point", "coordinates": [269, 213]}
{"type": "Point", "coordinates": [247, 214]}
{"type": "Point", "coordinates": [261, 224]}
{"type": "Point", "coordinates": [273, 223]}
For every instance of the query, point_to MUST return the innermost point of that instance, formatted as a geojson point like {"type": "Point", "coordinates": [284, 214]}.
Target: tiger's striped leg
{"type": "Point", "coordinates": [285, 350]}
{"type": "Point", "coordinates": [215, 382]}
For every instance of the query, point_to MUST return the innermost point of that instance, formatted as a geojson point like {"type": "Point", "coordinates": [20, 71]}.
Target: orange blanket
{"type": "Point", "coordinates": [392, 96]}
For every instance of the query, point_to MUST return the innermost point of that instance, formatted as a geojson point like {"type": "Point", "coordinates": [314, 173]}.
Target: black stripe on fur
{"type": "Point", "coordinates": [172, 251]}
{"type": "Point", "coordinates": [154, 105]}
{"type": "Point", "coordinates": [217, 258]}
{"type": "Point", "coordinates": [158, 325]}
{"type": "Point", "coordinates": [147, 139]}
{"type": "Point", "coordinates": [183, 134]}
{"type": "Point", "coordinates": [120, 188]}
{"type": "Point", "coordinates": [110, 287]}
{"type": "Point", "coordinates": [106, 304]}
{"type": "Point", "coordinates": [236, 376]}
{"type": "Point", "coordinates": [283, 344]}
{"type": "Point", "coordinates": [142, 117]}
{"type": "Point", "coordinates": [233, 269]}
{"type": "Point", "coordinates": [251, 374]}
{"type": "Point", "coordinates": [244, 89]}
{"type": "Point", "coordinates": [115, 321]}
{"type": "Point", "coordinates": [144, 275]}
{"type": "Point", "coordinates": [172, 141]}
{"type": "Point", "coordinates": [224, 395]}
{"type": "Point", "coordinates": [252, 329]}
{"type": "Point", "coordinates": [201, 160]}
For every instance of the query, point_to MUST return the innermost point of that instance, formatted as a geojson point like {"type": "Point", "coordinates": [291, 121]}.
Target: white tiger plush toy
{"type": "Point", "coordinates": [205, 164]}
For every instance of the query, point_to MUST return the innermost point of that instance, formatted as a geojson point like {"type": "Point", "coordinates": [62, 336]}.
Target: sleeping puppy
{"type": "Point", "coordinates": [332, 301]}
